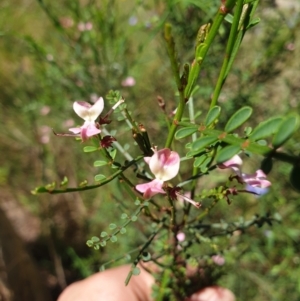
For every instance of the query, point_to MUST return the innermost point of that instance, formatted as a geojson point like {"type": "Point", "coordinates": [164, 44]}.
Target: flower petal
{"type": "Point", "coordinates": [87, 111]}
{"type": "Point", "coordinates": [259, 179]}
{"type": "Point", "coordinates": [234, 163]}
{"type": "Point", "coordinates": [88, 130]}
{"type": "Point", "coordinates": [75, 130]}
{"type": "Point", "coordinates": [164, 164]}
{"type": "Point", "coordinates": [151, 188]}
{"type": "Point", "coordinates": [257, 190]}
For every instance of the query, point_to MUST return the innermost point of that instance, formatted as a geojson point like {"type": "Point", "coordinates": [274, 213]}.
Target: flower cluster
{"type": "Point", "coordinates": [256, 183]}
{"type": "Point", "coordinates": [164, 163]}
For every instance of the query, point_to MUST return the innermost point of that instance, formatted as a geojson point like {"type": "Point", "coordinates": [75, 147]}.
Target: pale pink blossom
{"type": "Point", "coordinates": [68, 123]}
{"type": "Point", "coordinates": [180, 236]}
{"type": "Point", "coordinates": [128, 82]}
{"type": "Point", "coordinates": [49, 57]}
{"type": "Point", "coordinates": [66, 22]}
{"type": "Point", "coordinates": [218, 259]}
{"type": "Point", "coordinates": [85, 26]}
{"type": "Point", "coordinates": [234, 163]}
{"type": "Point", "coordinates": [44, 132]}
{"type": "Point", "coordinates": [45, 110]}
{"type": "Point", "coordinates": [164, 164]}
{"type": "Point", "coordinates": [89, 113]}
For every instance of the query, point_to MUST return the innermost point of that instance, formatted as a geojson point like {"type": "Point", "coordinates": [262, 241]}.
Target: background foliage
{"type": "Point", "coordinates": [53, 53]}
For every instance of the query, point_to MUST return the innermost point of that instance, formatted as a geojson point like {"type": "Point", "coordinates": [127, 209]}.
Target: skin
{"type": "Point", "coordinates": [109, 286]}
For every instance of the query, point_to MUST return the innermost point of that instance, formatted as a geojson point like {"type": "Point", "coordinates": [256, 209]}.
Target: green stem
{"type": "Point", "coordinates": [201, 51]}
{"type": "Point", "coordinates": [203, 48]}
{"type": "Point", "coordinates": [180, 86]}
{"type": "Point", "coordinates": [176, 119]}
{"type": "Point", "coordinates": [172, 55]}
{"type": "Point", "coordinates": [229, 48]}
{"type": "Point", "coordinates": [103, 182]}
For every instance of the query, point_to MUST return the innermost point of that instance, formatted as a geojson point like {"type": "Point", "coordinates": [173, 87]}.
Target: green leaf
{"type": "Point", "coordinates": [204, 165]}
{"type": "Point", "coordinates": [191, 154]}
{"type": "Point", "coordinates": [229, 18]}
{"type": "Point", "coordinates": [95, 239]}
{"type": "Point", "coordinates": [100, 163]}
{"type": "Point", "coordinates": [136, 271]}
{"type": "Point", "coordinates": [103, 243]}
{"type": "Point", "coordinates": [227, 153]}
{"type": "Point", "coordinates": [212, 115]}
{"type": "Point", "coordinates": [50, 187]}
{"type": "Point", "coordinates": [199, 160]}
{"type": "Point", "coordinates": [89, 149]}
{"type": "Point", "coordinates": [253, 22]}
{"type": "Point", "coordinates": [83, 183]}
{"type": "Point", "coordinates": [124, 216]}
{"type": "Point", "coordinates": [64, 182]}
{"type": "Point", "coordinates": [123, 230]}
{"type": "Point", "coordinates": [265, 129]}
{"type": "Point", "coordinates": [113, 153]}
{"type": "Point", "coordinates": [89, 243]}
{"type": "Point", "coordinates": [248, 130]}
{"type": "Point", "coordinates": [203, 142]}
{"type": "Point", "coordinates": [286, 129]}
{"type": "Point", "coordinates": [112, 226]}
{"type": "Point", "coordinates": [99, 177]}
{"type": "Point", "coordinates": [103, 234]}
{"type": "Point", "coordinates": [40, 189]}
{"type": "Point", "coordinates": [238, 118]}
{"type": "Point", "coordinates": [134, 218]}
{"type": "Point", "coordinates": [114, 238]}
{"type": "Point", "coordinates": [185, 132]}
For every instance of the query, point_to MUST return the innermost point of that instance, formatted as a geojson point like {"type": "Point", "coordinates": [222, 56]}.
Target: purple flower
{"type": "Point", "coordinates": [89, 113]}
{"type": "Point", "coordinates": [256, 183]}
{"type": "Point", "coordinates": [164, 164]}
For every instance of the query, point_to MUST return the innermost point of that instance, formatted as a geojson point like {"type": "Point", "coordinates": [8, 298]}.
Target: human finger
{"type": "Point", "coordinates": [109, 286]}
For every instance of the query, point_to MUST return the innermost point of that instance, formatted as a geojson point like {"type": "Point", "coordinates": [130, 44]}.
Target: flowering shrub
{"type": "Point", "coordinates": [195, 149]}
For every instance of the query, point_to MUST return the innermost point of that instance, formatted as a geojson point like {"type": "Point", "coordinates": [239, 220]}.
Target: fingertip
{"type": "Point", "coordinates": [213, 293]}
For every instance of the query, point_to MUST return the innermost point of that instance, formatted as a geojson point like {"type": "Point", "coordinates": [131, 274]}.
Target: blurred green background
{"type": "Point", "coordinates": [53, 53]}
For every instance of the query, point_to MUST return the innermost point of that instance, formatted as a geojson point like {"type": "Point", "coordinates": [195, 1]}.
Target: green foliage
{"type": "Point", "coordinates": [46, 63]}
{"type": "Point", "coordinates": [286, 129]}
{"type": "Point", "coordinates": [237, 119]}
{"type": "Point", "coordinates": [212, 115]}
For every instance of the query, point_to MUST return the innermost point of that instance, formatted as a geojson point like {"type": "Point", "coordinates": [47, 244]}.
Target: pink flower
{"type": "Point", "coordinates": [164, 164]}
{"type": "Point", "coordinates": [174, 193]}
{"type": "Point", "coordinates": [45, 110]}
{"type": "Point", "coordinates": [256, 182]}
{"type": "Point", "coordinates": [180, 236]}
{"type": "Point", "coordinates": [85, 26]}
{"type": "Point", "coordinates": [89, 113]}
{"type": "Point", "coordinates": [128, 82]}
{"type": "Point", "coordinates": [234, 163]}
{"type": "Point", "coordinates": [258, 179]}
{"type": "Point", "coordinates": [218, 259]}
